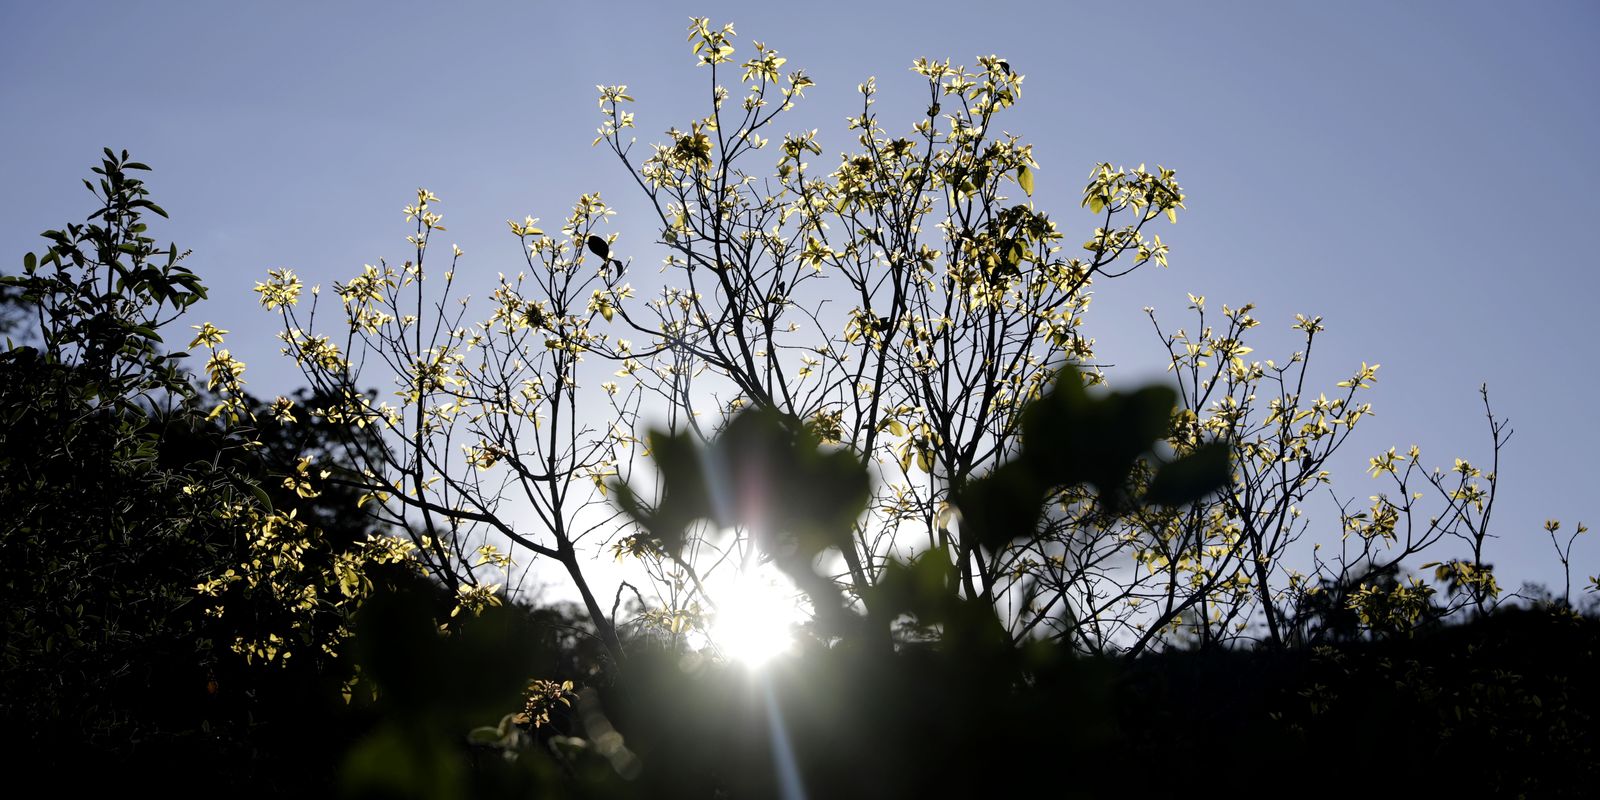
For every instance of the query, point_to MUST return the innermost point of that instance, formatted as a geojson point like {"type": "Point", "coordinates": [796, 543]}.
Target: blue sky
{"type": "Point", "coordinates": [1419, 174]}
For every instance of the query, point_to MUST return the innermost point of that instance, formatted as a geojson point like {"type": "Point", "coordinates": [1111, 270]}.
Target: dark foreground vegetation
{"type": "Point", "coordinates": [206, 593]}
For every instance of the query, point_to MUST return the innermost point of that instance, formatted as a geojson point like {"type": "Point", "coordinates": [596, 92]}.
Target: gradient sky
{"type": "Point", "coordinates": [1419, 174]}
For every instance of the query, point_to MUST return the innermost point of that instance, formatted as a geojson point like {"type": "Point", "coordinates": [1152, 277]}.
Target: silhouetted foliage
{"type": "Point", "coordinates": [124, 498]}
{"type": "Point", "coordinates": [103, 537]}
{"type": "Point", "coordinates": [921, 692]}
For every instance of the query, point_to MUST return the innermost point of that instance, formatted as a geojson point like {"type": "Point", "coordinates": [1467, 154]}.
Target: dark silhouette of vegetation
{"type": "Point", "coordinates": [921, 691]}
{"type": "Point", "coordinates": [102, 543]}
{"type": "Point", "coordinates": [124, 497]}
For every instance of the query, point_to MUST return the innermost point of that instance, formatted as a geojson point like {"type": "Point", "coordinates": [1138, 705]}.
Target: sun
{"type": "Point", "coordinates": [757, 610]}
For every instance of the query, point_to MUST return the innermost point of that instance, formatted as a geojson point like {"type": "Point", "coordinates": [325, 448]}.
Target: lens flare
{"type": "Point", "coordinates": [755, 618]}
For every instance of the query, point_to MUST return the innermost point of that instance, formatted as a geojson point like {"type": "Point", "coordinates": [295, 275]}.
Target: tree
{"type": "Point", "coordinates": [102, 541]}
{"type": "Point", "coordinates": [134, 518]}
{"type": "Point", "coordinates": [930, 369]}
{"type": "Point", "coordinates": [964, 299]}
{"type": "Point", "coordinates": [504, 390]}
{"type": "Point", "coordinates": [962, 302]}
{"type": "Point", "coordinates": [961, 299]}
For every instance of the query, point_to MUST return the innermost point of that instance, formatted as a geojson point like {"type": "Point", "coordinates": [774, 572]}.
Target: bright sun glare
{"type": "Point", "coordinates": [756, 613]}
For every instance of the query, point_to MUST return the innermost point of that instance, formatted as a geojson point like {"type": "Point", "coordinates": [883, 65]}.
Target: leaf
{"type": "Point", "coordinates": [685, 494]}
{"type": "Point", "coordinates": [765, 473]}
{"type": "Point", "coordinates": [1001, 506]}
{"type": "Point", "coordinates": [1192, 477]}
{"type": "Point", "coordinates": [599, 247]}
{"type": "Point", "coordinates": [1025, 180]}
{"type": "Point", "coordinates": [261, 494]}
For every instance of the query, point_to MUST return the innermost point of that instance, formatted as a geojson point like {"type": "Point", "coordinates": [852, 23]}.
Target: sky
{"type": "Point", "coordinates": [1418, 174]}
